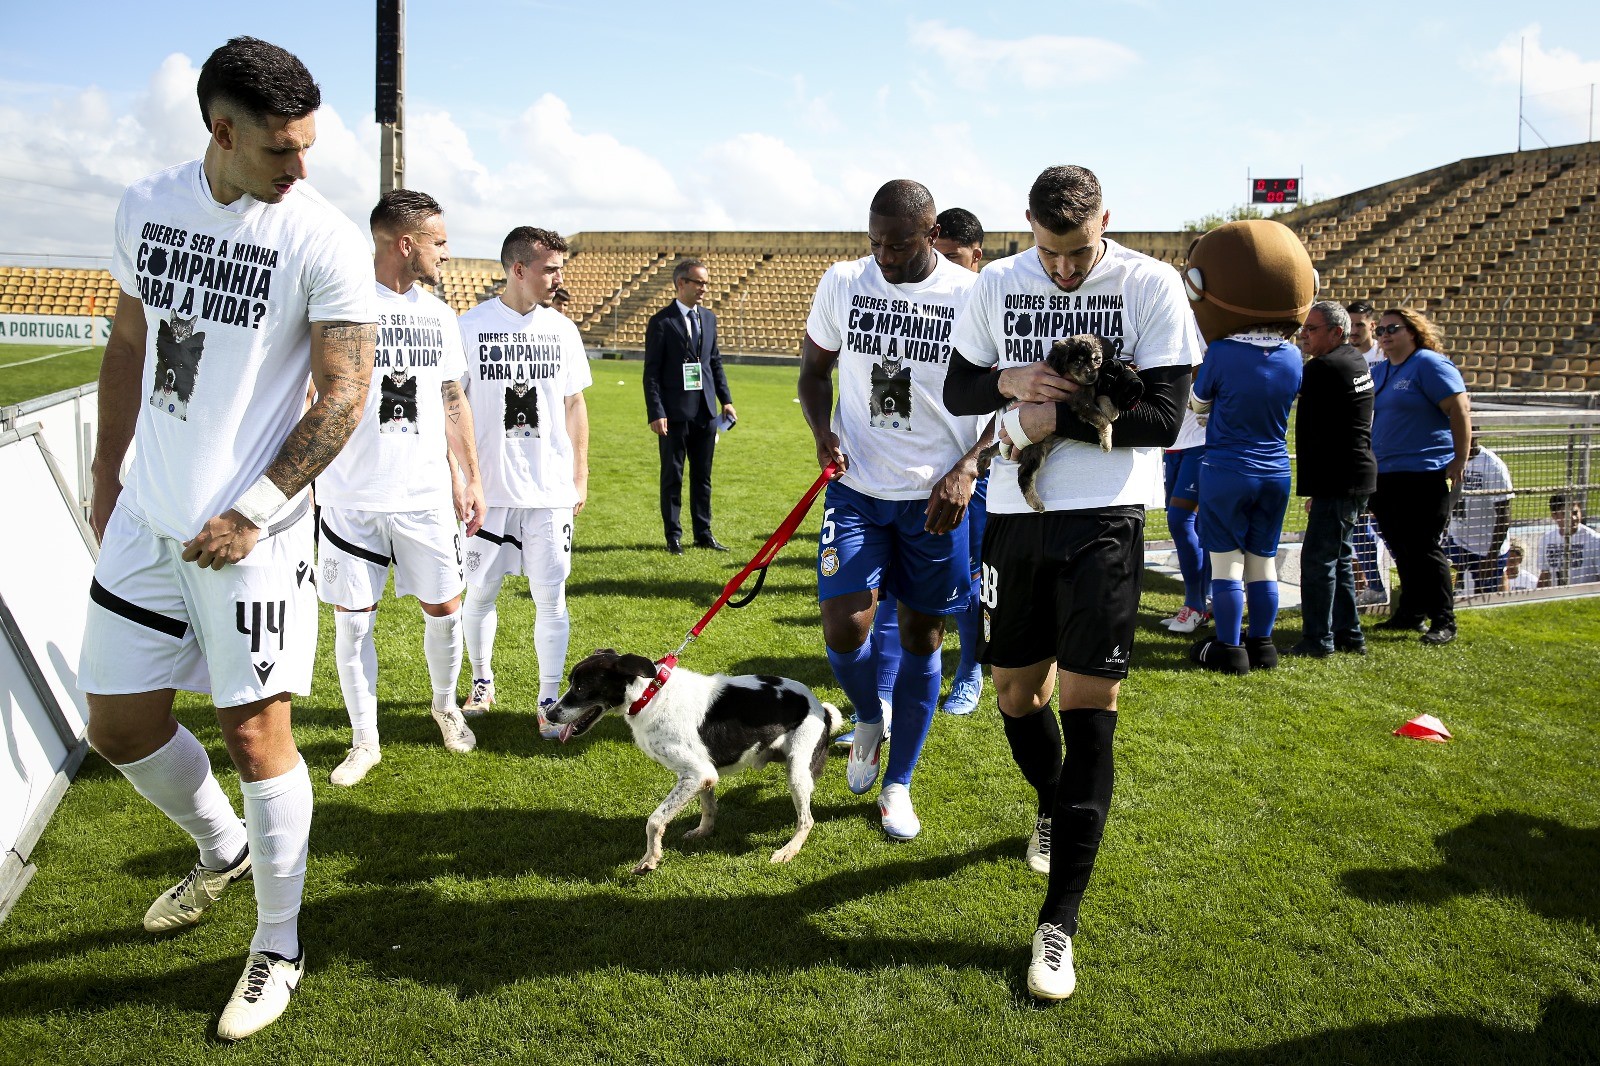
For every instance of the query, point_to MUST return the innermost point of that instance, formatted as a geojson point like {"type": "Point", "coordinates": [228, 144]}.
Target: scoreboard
{"type": "Point", "coordinates": [1275, 190]}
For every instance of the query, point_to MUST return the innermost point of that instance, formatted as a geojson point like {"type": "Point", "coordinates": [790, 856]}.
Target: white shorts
{"type": "Point", "coordinates": [357, 548]}
{"type": "Point", "coordinates": [536, 541]}
{"type": "Point", "coordinates": [242, 633]}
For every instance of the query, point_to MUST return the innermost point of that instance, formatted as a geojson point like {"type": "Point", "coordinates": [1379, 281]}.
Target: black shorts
{"type": "Point", "coordinates": [1062, 585]}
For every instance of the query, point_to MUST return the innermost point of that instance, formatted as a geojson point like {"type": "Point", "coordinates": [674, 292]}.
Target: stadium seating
{"type": "Point", "coordinates": [1501, 250]}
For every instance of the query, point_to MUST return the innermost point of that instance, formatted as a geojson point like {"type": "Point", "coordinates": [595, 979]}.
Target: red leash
{"type": "Point", "coordinates": [762, 560]}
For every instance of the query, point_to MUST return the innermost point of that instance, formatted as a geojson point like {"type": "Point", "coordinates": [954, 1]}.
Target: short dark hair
{"type": "Point", "coordinates": [902, 198]}
{"type": "Point", "coordinates": [520, 243]}
{"type": "Point", "coordinates": [1560, 502]}
{"type": "Point", "coordinates": [962, 226]}
{"type": "Point", "coordinates": [1361, 308]}
{"type": "Point", "coordinates": [260, 79]}
{"type": "Point", "coordinates": [681, 270]}
{"type": "Point", "coordinates": [1064, 198]}
{"type": "Point", "coordinates": [402, 211]}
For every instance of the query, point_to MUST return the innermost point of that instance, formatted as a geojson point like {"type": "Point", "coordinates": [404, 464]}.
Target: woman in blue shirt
{"type": "Point", "coordinates": [1421, 431]}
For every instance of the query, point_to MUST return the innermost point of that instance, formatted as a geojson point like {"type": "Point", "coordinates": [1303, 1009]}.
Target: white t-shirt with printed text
{"type": "Point", "coordinates": [229, 297]}
{"type": "Point", "coordinates": [1016, 312]}
{"type": "Point", "coordinates": [1578, 556]}
{"type": "Point", "coordinates": [894, 349]}
{"type": "Point", "coordinates": [1472, 527]}
{"type": "Point", "coordinates": [395, 460]}
{"type": "Point", "coordinates": [520, 371]}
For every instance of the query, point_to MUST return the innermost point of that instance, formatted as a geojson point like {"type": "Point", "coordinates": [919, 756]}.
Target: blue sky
{"type": "Point", "coordinates": [767, 116]}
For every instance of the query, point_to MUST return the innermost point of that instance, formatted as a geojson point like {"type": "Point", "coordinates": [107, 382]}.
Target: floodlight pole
{"type": "Point", "coordinates": [391, 94]}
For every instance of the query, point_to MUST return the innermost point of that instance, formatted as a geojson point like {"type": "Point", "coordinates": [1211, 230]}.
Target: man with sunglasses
{"type": "Point", "coordinates": [1333, 434]}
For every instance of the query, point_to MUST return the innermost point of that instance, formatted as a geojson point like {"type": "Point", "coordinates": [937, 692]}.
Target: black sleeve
{"type": "Point", "coordinates": [1152, 423]}
{"type": "Point", "coordinates": [970, 389]}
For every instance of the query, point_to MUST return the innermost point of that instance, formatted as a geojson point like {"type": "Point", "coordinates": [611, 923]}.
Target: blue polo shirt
{"type": "Point", "coordinates": [1251, 390]}
{"type": "Point", "coordinates": [1409, 432]}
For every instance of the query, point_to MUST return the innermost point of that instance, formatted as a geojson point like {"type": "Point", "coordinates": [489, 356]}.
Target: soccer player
{"type": "Point", "coordinates": [1061, 588]}
{"type": "Point", "coordinates": [238, 282]}
{"type": "Point", "coordinates": [526, 372]}
{"type": "Point", "coordinates": [388, 497]}
{"type": "Point", "coordinates": [895, 518]}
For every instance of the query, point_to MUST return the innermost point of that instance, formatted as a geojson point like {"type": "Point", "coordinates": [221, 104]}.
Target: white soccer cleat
{"type": "Point", "coordinates": [1038, 855]}
{"type": "Point", "coordinates": [900, 819]}
{"type": "Point", "coordinates": [549, 731]}
{"type": "Point", "coordinates": [453, 728]}
{"type": "Point", "coordinates": [482, 697]}
{"type": "Point", "coordinates": [362, 757]}
{"type": "Point", "coordinates": [1188, 620]}
{"type": "Point", "coordinates": [1050, 972]}
{"type": "Point", "coordinates": [261, 995]}
{"type": "Point", "coordinates": [861, 768]}
{"type": "Point", "coordinates": [184, 903]}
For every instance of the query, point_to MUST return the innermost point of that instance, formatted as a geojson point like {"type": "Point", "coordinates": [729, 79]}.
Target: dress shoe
{"type": "Point", "coordinates": [673, 546]}
{"type": "Point", "coordinates": [1440, 634]}
{"type": "Point", "coordinates": [1393, 622]}
{"type": "Point", "coordinates": [710, 542]}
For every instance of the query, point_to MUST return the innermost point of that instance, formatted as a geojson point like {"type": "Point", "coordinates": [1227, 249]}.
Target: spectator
{"type": "Point", "coordinates": [560, 299]}
{"type": "Point", "coordinates": [1570, 553]}
{"type": "Point", "coordinates": [1516, 578]}
{"type": "Point", "coordinates": [1333, 433]}
{"type": "Point", "coordinates": [1363, 319]}
{"type": "Point", "coordinates": [1481, 522]}
{"type": "Point", "coordinates": [1369, 577]}
{"type": "Point", "coordinates": [1421, 429]}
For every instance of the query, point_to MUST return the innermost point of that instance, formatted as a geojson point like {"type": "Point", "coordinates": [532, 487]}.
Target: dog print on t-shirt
{"type": "Point", "coordinates": [178, 352]}
{"type": "Point", "coordinates": [397, 407]}
{"type": "Point", "coordinates": [522, 410]}
{"type": "Point", "coordinates": [890, 401]}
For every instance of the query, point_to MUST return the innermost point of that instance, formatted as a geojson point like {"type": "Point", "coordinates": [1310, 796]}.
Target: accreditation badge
{"type": "Point", "coordinates": [691, 377]}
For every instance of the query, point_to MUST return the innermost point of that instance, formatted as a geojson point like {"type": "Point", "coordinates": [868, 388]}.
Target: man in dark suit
{"type": "Point", "coordinates": [685, 393]}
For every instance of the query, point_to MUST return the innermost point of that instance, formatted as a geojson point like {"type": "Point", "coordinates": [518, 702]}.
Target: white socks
{"type": "Point", "coordinates": [478, 622]}
{"type": "Point", "coordinates": [277, 813]}
{"type": "Point", "coordinates": [552, 629]}
{"type": "Point", "coordinates": [356, 654]}
{"type": "Point", "coordinates": [441, 644]}
{"type": "Point", "coordinates": [177, 778]}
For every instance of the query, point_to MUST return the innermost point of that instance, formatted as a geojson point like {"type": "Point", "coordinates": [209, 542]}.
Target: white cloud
{"type": "Point", "coordinates": [1043, 61]}
{"type": "Point", "coordinates": [762, 183]}
{"type": "Point", "coordinates": [1556, 82]}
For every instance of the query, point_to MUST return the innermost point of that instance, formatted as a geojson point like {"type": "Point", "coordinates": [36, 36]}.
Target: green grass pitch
{"type": "Point", "coordinates": [30, 370]}
{"type": "Point", "coordinates": [1282, 881]}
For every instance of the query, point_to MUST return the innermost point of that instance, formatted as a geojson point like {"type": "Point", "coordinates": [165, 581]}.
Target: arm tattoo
{"type": "Point", "coordinates": [345, 375]}
{"type": "Point", "coordinates": [450, 393]}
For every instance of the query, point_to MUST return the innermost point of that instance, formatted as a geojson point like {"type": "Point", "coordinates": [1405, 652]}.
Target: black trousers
{"type": "Point", "coordinates": [1412, 510]}
{"type": "Point", "coordinates": [697, 442]}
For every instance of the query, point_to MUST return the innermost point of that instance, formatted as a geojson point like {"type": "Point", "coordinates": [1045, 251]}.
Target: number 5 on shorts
{"type": "Point", "coordinates": [828, 529]}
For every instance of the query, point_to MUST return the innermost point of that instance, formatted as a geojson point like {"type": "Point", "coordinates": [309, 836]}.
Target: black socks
{"type": "Point", "coordinates": [1035, 741]}
{"type": "Point", "coordinates": [1083, 799]}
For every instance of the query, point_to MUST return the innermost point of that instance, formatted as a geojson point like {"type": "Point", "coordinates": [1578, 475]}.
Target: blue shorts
{"type": "Point", "coordinates": [1242, 512]}
{"type": "Point", "coordinates": [869, 543]}
{"type": "Point", "coordinates": [1183, 474]}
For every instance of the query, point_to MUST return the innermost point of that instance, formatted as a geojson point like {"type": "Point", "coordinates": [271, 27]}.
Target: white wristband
{"type": "Point", "coordinates": [261, 501]}
{"type": "Point", "coordinates": [1012, 421]}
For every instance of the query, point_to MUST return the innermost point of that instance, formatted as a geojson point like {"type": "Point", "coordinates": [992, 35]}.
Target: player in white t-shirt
{"type": "Point", "coordinates": [389, 498]}
{"type": "Point", "coordinates": [895, 519]}
{"type": "Point", "coordinates": [238, 283]}
{"type": "Point", "coordinates": [526, 372]}
{"type": "Point", "coordinates": [1480, 522]}
{"type": "Point", "coordinates": [1061, 588]}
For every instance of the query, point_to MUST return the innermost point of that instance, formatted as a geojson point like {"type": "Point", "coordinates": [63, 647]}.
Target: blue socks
{"type": "Point", "coordinates": [1263, 599]}
{"type": "Point", "coordinates": [968, 623]}
{"type": "Point", "coordinates": [858, 676]}
{"type": "Point", "coordinates": [916, 693]}
{"type": "Point", "coordinates": [1227, 605]}
{"type": "Point", "coordinates": [1193, 563]}
{"type": "Point", "coordinates": [886, 642]}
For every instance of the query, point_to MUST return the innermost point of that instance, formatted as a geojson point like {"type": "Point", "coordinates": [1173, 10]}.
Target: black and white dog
{"type": "Point", "coordinates": [701, 727]}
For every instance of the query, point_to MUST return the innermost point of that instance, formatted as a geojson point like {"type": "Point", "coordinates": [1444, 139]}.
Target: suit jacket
{"type": "Point", "coordinates": [667, 347]}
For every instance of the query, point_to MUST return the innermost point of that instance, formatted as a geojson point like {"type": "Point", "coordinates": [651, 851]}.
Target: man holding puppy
{"type": "Point", "coordinates": [894, 519]}
{"type": "Point", "coordinates": [1061, 588]}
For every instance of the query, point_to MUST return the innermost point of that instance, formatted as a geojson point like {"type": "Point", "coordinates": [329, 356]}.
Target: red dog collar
{"type": "Point", "coordinates": [663, 671]}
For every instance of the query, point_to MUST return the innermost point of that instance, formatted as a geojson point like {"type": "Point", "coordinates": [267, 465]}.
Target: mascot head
{"type": "Point", "coordinates": [1244, 274]}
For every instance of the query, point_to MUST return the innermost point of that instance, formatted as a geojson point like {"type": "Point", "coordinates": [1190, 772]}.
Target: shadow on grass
{"type": "Point", "coordinates": [1568, 1032]}
{"type": "Point", "coordinates": [1550, 866]}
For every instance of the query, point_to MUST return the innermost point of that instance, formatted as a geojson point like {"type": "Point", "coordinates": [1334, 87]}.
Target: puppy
{"type": "Point", "coordinates": [1110, 388]}
{"type": "Point", "coordinates": [701, 727]}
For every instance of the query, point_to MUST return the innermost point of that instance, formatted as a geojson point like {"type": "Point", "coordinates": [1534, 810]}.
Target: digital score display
{"type": "Point", "coordinates": [1275, 191]}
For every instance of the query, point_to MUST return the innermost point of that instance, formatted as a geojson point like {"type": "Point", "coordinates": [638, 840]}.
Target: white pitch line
{"type": "Point", "coordinates": [42, 358]}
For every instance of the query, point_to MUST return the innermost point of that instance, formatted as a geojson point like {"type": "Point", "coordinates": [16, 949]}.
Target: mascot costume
{"type": "Point", "coordinates": [1250, 284]}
